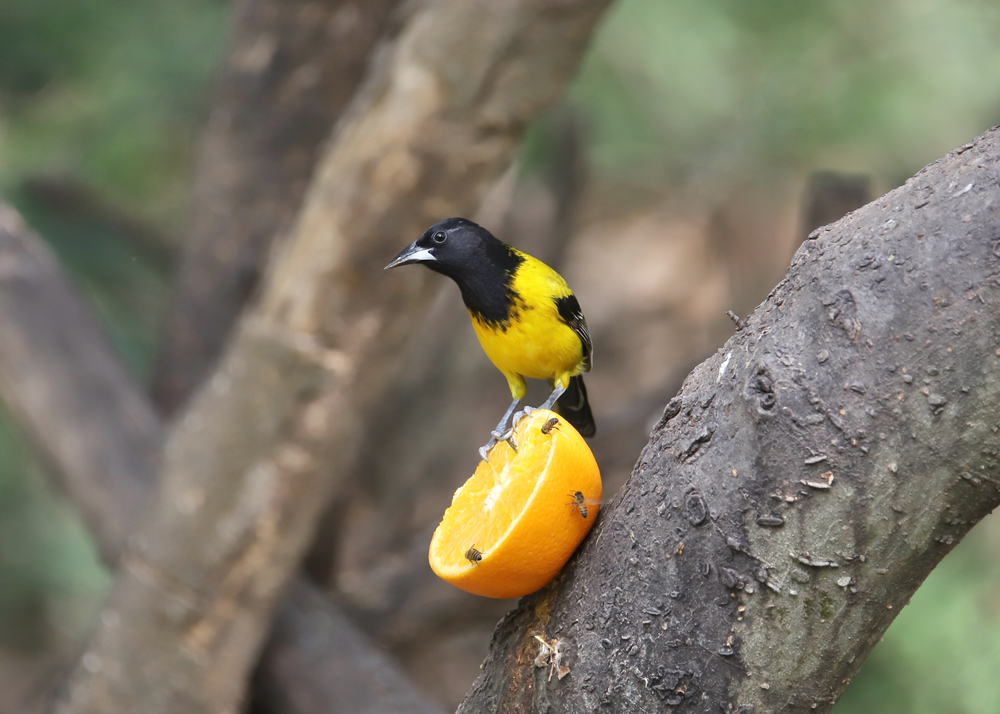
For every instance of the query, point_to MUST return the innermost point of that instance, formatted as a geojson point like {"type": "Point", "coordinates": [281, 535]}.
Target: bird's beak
{"type": "Point", "coordinates": [412, 254]}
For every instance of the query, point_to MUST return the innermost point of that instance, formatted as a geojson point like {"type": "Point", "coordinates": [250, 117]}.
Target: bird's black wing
{"type": "Point", "coordinates": [572, 315]}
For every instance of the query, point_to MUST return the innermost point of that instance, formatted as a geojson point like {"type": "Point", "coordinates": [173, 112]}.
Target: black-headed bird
{"type": "Point", "coordinates": [527, 319]}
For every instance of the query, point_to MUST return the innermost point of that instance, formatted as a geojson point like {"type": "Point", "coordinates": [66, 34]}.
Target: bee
{"type": "Point", "coordinates": [548, 426]}
{"type": "Point", "coordinates": [473, 555]}
{"type": "Point", "coordinates": [579, 503]}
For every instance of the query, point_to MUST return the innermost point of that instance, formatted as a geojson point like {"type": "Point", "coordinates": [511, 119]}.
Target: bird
{"type": "Point", "coordinates": [527, 319]}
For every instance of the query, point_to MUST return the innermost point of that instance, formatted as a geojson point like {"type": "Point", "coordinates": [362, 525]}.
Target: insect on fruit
{"type": "Point", "coordinates": [473, 555]}
{"type": "Point", "coordinates": [548, 426]}
{"type": "Point", "coordinates": [579, 503]}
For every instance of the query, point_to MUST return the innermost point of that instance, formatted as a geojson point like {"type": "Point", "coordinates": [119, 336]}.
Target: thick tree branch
{"type": "Point", "coordinates": [99, 435]}
{"type": "Point", "coordinates": [292, 68]}
{"type": "Point", "coordinates": [249, 465]}
{"type": "Point", "coordinates": [803, 483]}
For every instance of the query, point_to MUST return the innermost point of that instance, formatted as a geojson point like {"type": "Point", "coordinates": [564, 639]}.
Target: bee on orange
{"type": "Point", "coordinates": [473, 555]}
{"type": "Point", "coordinates": [548, 426]}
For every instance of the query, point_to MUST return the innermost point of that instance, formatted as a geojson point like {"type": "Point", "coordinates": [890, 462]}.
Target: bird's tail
{"type": "Point", "coordinates": [574, 407]}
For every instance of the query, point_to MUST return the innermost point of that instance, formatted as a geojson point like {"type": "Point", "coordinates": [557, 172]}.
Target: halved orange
{"type": "Point", "coordinates": [513, 525]}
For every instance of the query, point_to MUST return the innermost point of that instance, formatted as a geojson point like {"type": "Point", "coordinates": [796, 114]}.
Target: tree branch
{"type": "Point", "coordinates": [98, 433]}
{"type": "Point", "coordinates": [292, 68]}
{"type": "Point", "coordinates": [803, 483]}
{"type": "Point", "coordinates": [249, 465]}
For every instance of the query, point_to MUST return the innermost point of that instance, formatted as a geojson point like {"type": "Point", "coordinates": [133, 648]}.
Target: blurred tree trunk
{"type": "Point", "coordinates": [292, 68]}
{"type": "Point", "coordinates": [803, 483]}
{"type": "Point", "coordinates": [100, 437]}
{"type": "Point", "coordinates": [250, 463]}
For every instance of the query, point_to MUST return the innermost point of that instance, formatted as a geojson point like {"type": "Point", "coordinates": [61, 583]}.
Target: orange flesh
{"type": "Point", "coordinates": [518, 510]}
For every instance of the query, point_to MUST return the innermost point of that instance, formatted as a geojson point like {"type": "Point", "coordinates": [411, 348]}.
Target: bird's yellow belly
{"type": "Point", "coordinates": [535, 348]}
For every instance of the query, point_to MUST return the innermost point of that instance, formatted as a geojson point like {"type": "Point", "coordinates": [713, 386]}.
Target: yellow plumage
{"type": "Point", "coordinates": [535, 342]}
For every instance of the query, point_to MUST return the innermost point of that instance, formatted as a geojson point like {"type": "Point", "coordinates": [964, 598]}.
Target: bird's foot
{"type": "Point", "coordinates": [519, 416]}
{"type": "Point", "coordinates": [485, 449]}
{"type": "Point", "coordinates": [495, 438]}
{"type": "Point", "coordinates": [508, 436]}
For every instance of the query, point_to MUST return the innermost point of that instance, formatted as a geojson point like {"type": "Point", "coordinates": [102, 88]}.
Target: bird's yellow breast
{"type": "Point", "coordinates": [534, 341]}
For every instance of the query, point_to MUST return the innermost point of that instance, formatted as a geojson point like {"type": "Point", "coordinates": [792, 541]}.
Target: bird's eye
{"type": "Point", "coordinates": [439, 237]}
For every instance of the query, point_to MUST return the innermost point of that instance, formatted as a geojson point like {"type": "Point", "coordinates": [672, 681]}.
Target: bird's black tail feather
{"type": "Point", "coordinates": [574, 407]}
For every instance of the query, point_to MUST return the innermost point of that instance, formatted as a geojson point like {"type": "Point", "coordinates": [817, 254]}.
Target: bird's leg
{"type": "Point", "coordinates": [557, 392]}
{"type": "Point", "coordinates": [498, 434]}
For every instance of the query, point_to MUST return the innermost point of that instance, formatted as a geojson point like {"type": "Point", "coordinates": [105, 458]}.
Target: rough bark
{"type": "Point", "coordinates": [803, 483]}
{"type": "Point", "coordinates": [98, 433]}
{"type": "Point", "coordinates": [251, 461]}
{"type": "Point", "coordinates": [292, 69]}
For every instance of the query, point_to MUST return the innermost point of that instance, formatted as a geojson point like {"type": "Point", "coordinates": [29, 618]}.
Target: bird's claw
{"type": "Point", "coordinates": [495, 438]}
{"type": "Point", "coordinates": [509, 438]}
{"type": "Point", "coordinates": [519, 416]}
{"type": "Point", "coordinates": [485, 449]}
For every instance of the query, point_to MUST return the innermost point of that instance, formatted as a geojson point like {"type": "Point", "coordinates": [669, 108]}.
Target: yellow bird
{"type": "Point", "coordinates": [527, 319]}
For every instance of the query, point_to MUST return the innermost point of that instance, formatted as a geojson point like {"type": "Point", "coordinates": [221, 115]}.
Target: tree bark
{"type": "Point", "coordinates": [99, 435]}
{"type": "Point", "coordinates": [803, 483]}
{"type": "Point", "coordinates": [292, 69]}
{"type": "Point", "coordinates": [248, 466]}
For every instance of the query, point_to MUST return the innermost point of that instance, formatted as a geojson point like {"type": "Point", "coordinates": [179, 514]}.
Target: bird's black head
{"type": "Point", "coordinates": [451, 246]}
{"type": "Point", "coordinates": [470, 255]}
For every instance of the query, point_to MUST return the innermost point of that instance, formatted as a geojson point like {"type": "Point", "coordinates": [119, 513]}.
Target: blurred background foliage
{"type": "Point", "coordinates": [101, 103]}
{"type": "Point", "coordinates": [109, 93]}
{"type": "Point", "coordinates": [678, 89]}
